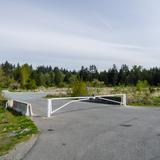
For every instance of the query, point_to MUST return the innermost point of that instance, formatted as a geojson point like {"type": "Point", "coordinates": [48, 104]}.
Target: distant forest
{"type": "Point", "coordinates": [26, 77]}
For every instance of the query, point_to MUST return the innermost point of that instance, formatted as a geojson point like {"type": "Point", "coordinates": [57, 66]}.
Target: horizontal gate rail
{"type": "Point", "coordinates": [50, 111]}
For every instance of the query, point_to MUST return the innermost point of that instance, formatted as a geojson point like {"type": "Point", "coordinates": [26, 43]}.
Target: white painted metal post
{"type": "Point", "coordinates": [124, 100]}
{"type": "Point", "coordinates": [49, 108]}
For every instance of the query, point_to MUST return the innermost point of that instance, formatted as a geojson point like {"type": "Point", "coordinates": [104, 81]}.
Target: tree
{"type": "Point", "coordinates": [8, 69]}
{"type": "Point", "coordinates": [84, 74]}
{"type": "Point", "coordinates": [2, 78]}
{"type": "Point", "coordinates": [155, 76]}
{"type": "Point", "coordinates": [103, 77]}
{"type": "Point", "coordinates": [52, 76]}
{"type": "Point", "coordinates": [135, 75]}
{"type": "Point", "coordinates": [41, 80]}
{"type": "Point", "coordinates": [123, 74]}
{"type": "Point", "coordinates": [67, 77]}
{"type": "Point", "coordinates": [25, 76]}
{"type": "Point", "coordinates": [47, 79]}
{"type": "Point", "coordinates": [25, 72]}
{"type": "Point", "coordinates": [93, 73]}
{"type": "Point", "coordinates": [31, 84]}
{"type": "Point", "coordinates": [17, 73]}
{"type": "Point", "coordinates": [113, 75]}
{"type": "Point", "coordinates": [58, 79]}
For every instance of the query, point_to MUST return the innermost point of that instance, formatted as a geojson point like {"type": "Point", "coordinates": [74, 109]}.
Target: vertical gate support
{"type": "Point", "coordinates": [49, 108]}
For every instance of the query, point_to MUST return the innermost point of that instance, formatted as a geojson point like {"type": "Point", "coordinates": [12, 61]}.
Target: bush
{"type": "Point", "coordinates": [97, 83]}
{"type": "Point", "coordinates": [142, 93]}
{"type": "Point", "coordinates": [141, 85]}
{"type": "Point", "coordinates": [2, 99]}
{"type": "Point", "coordinates": [1, 96]}
{"type": "Point", "coordinates": [79, 88]}
{"type": "Point", "coordinates": [15, 85]}
{"type": "Point", "coordinates": [31, 84]}
{"type": "Point", "coordinates": [61, 85]}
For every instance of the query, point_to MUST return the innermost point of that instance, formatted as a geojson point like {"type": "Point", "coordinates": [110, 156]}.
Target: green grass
{"type": "Point", "coordinates": [155, 102]}
{"type": "Point", "coordinates": [144, 105]}
{"type": "Point", "coordinates": [14, 128]}
{"type": "Point", "coordinates": [56, 96]}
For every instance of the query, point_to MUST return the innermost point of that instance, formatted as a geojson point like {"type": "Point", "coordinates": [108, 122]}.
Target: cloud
{"type": "Point", "coordinates": [73, 38]}
{"type": "Point", "coordinates": [67, 46]}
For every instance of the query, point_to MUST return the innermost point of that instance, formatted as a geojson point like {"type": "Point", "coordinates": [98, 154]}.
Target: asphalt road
{"type": "Point", "coordinates": [90, 131]}
{"type": "Point", "coordinates": [37, 100]}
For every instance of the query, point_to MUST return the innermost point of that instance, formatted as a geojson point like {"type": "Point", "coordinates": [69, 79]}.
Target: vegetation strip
{"type": "Point", "coordinates": [26, 77]}
{"type": "Point", "coordinates": [14, 128]}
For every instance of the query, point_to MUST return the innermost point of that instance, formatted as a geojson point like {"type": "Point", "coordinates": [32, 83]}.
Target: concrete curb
{"type": "Point", "coordinates": [20, 151]}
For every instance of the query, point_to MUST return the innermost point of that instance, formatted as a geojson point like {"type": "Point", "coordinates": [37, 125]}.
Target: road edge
{"type": "Point", "coordinates": [21, 150]}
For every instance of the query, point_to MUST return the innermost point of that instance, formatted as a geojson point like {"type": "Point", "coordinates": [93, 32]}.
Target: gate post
{"type": "Point", "coordinates": [49, 108]}
{"type": "Point", "coordinates": [124, 100]}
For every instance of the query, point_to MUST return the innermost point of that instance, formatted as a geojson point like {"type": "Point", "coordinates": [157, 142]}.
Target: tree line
{"type": "Point", "coordinates": [26, 77]}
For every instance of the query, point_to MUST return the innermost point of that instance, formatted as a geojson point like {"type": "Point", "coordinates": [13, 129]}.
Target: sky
{"type": "Point", "coordinates": [72, 33]}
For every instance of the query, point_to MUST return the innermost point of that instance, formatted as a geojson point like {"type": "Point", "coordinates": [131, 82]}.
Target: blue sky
{"type": "Point", "coordinates": [72, 33]}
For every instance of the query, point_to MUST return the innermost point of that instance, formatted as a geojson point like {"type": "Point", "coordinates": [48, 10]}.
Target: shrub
{"type": "Point", "coordinates": [142, 85]}
{"type": "Point", "coordinates": [2, 99]}
{"type": "Point", "coordinates": [142, 93]}
{"type": "Point", "coordinates": [97, 83]}
{"type": "Point", "coordinates": [61, 85]}
{"type": "Point", "coordinates": [79, 88]}
{"type": "Point", "coordinates": [31, 84]}
{"type": "Point", "coordinates": [15, 85]}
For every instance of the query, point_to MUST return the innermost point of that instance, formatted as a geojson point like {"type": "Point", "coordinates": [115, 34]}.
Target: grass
{"type": "Point", "coordinates": [55, 96]}
{"type": "Point", "coordinates": [154, 102]}
{"type": "Point", "coordinates": [144, 105]}
{"type": "Point", "coordinates": [14, 128]}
